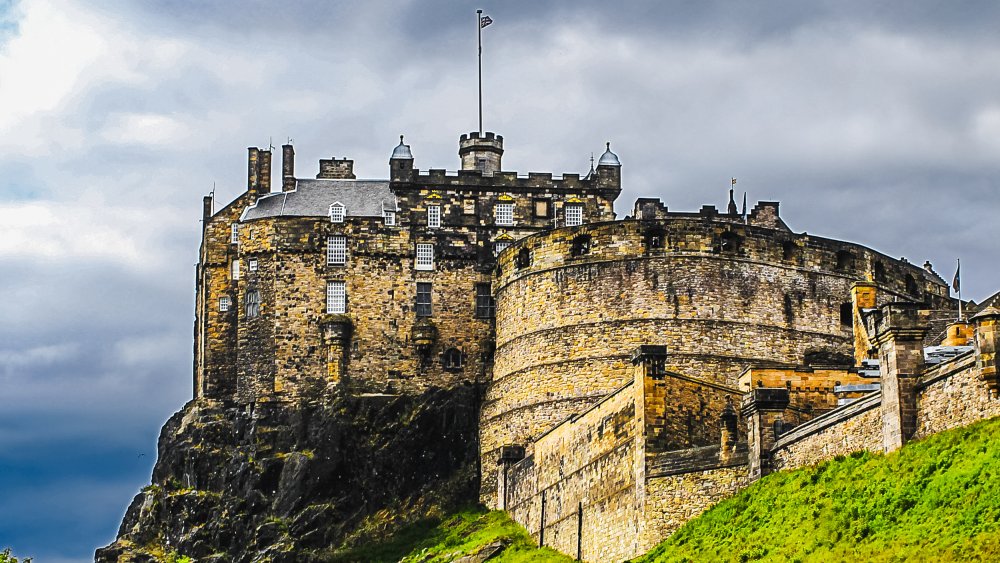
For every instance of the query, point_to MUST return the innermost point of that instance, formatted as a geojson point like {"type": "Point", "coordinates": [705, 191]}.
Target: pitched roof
{"type": "Point", "coordinates": [312, 198]}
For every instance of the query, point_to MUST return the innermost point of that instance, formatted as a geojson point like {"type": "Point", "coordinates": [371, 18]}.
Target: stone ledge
{"type": "Point", "coordinates": [824, 421]}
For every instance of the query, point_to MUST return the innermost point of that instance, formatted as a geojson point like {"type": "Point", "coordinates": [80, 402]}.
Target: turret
{"type": "Point", "coordinates": [401, 163]}
{"type": "Point", "coordinates": [481, 152]}
{"type": "Point", "coordinates": [609, 174]}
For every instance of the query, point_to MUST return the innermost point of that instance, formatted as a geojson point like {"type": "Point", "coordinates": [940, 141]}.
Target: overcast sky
{"type": "Point", "coordinates": [872, 122]}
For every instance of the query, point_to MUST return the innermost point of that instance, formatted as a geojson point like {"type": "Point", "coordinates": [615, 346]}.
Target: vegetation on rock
{"type": "Point", "coordinates": [934, 500]}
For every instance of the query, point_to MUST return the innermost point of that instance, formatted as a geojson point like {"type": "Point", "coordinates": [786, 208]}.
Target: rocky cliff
{"type": "Point", "coordinates": [278, 482]}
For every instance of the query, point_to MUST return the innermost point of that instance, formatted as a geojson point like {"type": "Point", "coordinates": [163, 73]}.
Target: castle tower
{"type": "Point", "coordinates": [401, 162]}
{"type": "Point", "coordinates": [481, 152]}
{"type": "Point", "coordinates": [609, 174]}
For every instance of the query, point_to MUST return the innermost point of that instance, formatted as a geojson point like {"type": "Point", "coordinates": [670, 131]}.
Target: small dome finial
{"type": "Point", "coordinates": [402, 150]}
{"type": "Point", "coordinates": [401, 138]}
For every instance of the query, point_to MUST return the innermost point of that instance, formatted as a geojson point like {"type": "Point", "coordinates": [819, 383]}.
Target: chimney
{"type": "Point", "coordinates": [264, 173]}
{"type": "Point", "coordinates": [252, 170]}
{"type": "Point", "coordinates": [287, 168]}
{"type": "Point", "coordinates": [336, 169]}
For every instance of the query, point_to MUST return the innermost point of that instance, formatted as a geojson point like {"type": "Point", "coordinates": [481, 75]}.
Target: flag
{"type": "Point", "coordinates": [484, 21]}
{"type": "Point", "coordinates": [734, 181]}
{"type": "Point", "coordinates": [956, 283]}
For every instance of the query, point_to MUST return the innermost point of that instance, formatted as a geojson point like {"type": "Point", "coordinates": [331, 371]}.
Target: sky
{"type": "Point", "coordinates": [873, 122]}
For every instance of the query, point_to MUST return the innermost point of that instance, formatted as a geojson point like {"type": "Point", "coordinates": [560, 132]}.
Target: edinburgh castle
{"type": "Point", "coordinates": [628, 369]}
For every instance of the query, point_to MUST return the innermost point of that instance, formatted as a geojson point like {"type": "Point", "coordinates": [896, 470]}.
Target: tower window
{"type": "Point", "coordinates": [224, 304]}
{"type": "Point", "coordinates": [581, 245]}
{"type": "Point", "coordinates": [236, 269]}
{"type": "Point", "coordinates": [389, 217]}
{"type": "Point", "coordinates": [730, 243]}
{"type": "Point", "coordinates": [425, 256]}
{"type": "Point", "coordinates": [847, 314]}
{"type": "Point", "coordinates": [252, 265]}
{"type": "Point", "coordinates": [523, 258]}
{"type": "Point", "coordinates": [485, 305]}
{"type": "Point", "coordinates": [337, 213]}
{"type": "Point", "coordinates": [654, 238]}
{"type": "Point", "coordinates": [911, 286]}
{"type": "Point", "coordinates": [423, 303]}
{"type": "Point", "coordinates": [574, 215]}
{"type": "Point", "coordinates": [234, 235]}
{"type": "Point", "coordinates": [433, 216]}
{"type": "Point", "coordinates": [503, 214]}
{"type": "Point", "coordinates": [788, 250]}
{"type": "Point", "coordinates": [336, 297]}
{"type": "Point", "coordinates": [844, 260]}
{"type": "Point", "coordinates": [253, 304]}
{"type": "Point", "coordinates": [453, 359]}
{"type": "Point", "coordinates": [336, 250]}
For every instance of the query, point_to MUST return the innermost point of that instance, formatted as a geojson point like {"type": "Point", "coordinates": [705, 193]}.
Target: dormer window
{"type": "Point", "coordinates": [433, 216]}
{"type": "Point", "coordinates": [337, 213]}
{"type": "Point", "coordinates": [574, 215]}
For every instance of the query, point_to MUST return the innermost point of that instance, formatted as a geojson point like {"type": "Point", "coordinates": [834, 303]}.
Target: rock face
{"type": "Point", "coordinates": [278, 482]}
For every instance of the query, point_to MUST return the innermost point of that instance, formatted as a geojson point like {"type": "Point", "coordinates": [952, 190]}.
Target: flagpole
{"type": "Point", "coordinates": [479, 28]}
{"type": "Point", "coordinates": [958, 276]}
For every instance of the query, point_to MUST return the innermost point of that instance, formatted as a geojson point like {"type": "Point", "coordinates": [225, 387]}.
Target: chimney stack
{"type": "Point", "coordinates": [287, 168]}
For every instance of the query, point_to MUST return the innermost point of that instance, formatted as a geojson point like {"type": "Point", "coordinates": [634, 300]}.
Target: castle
{"type": "Point", "coordinates": [635, 370]}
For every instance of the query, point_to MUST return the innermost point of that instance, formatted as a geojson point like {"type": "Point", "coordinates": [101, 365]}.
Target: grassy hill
{"type": "Point", "coordinates": [933, 500]}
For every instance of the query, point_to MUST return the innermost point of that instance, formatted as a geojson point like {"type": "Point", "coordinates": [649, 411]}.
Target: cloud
{"type": "Point", "coordinates": [870, 122]}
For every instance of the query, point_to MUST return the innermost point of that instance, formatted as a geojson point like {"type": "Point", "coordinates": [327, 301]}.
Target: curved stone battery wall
{"type": "Point", "coordinates": [573, 303]}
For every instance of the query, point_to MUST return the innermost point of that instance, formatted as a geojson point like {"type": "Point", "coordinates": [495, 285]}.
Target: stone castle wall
{"type": "Point", "coordinates": [953, 394]}
{"type": "Point", "coordinates": [573, 303]}
{"type": "Point", "coordinates": [577, 491]}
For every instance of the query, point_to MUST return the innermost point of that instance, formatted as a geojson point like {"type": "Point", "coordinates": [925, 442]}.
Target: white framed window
{"type": "Point", "coordinates": [336, 297]}
{"type": "Point", "coordinates": [236, 269]}
{"type": "Point", "coordinates": [336, 250]}
{"type": "Point", "coordinates": [337, 213]}
{"type": "Point", "coordinates": [234, 235]}
{"type": "Point", "coordinates": [224, 303]}
{"type": "Point", "coordinates": [433, 216]}
{"type": "Point", "coordinates": [499, 246]}
{"type": "Point", "coordinates": [503, 214]}
{"type": "Point", "coordinates": [390, 218]}
{"type": "Point", "coordinates": [574, 215]}
{"type": "Point", "coordinates": [425, 256]}
{"type": "Point", "coordinates": [252, 265]}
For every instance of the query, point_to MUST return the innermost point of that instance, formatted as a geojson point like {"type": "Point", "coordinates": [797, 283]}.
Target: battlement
{"type": "Point", "coordinates": [500, 181]}
{"type": "Point", "coordinates": [763, 214]}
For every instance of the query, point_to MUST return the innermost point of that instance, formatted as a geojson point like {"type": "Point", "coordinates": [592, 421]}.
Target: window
{"type": "Point", "coordinates": [543, 208]}
{"type": "Point", "coordinates": [453, 359]}
{"type": "Point", "coordinates": [224, 303]}
{"type": "Point", "coordinates": [788, 250]}
{"type": "Point", "coordinates": [390, 218]}
{"type": "Point", "coordinates": [236, 269]}
{"type": "Point", "coordinates": [423, 303]}
{"type": "Point", "coordinates": [730, 243]}
{"type": "Point", "coordinates": [336, 297]}
{"type": "Point", "coordinates": [433, 216]}
{"type": "Point", "coordinates": [469, 206]}
{"type": "Point", "coordinates": [844, 260]}
{"type": "Point", "coordinates": [654, 238]}
{"type": "Point", "coordinates": [252, 265]}
{"type": "Point", "coordinates": [879, 273]}
{"type": "Point", "coordinates": [481, 164]}
{"type": "Point", "coordinates": [336, 250]}
{"type": "Point", "coordinates": [234, 236]}
{"type": "Point", "coordinates": [503, 214]}
{"type": "Point", "coordinates": [499, 246]}
{"type": "Point", "coordinates": [911, 285]}
{"type": "Point", "coordinates": [485, 305]}
{"type": "Point", "coordinates": [847, 314]}
{"type": "Point", "coordinates": [574, 215]}
{"type": "Point", "coordinates": [337, 213]}
{"type": "Point", "coordinates": [425, 256]}
{"type": "Point", "coordinates": [523, 258]}
{"type": "Point", "coordinates": [253, 304]}
{"type": "Point", "coordinates": [581, 245]}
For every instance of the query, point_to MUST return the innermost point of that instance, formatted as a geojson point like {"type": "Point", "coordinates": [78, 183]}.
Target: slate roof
{"type": "Point", "coordinates": [312, 198]}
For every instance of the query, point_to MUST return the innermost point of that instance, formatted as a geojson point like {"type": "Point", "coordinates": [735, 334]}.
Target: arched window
{"type": "Point", "coordinates": [453, 359]}
{"type": "Point", "coordinates": [253, 304]}
{"type": "Point", "coordinates": [581, 245]}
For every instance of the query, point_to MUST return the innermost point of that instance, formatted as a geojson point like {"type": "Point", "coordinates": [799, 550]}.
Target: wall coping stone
{"type": "Point", "coordinates": [826, 420]}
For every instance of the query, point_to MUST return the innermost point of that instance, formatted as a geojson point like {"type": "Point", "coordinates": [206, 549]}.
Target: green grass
{"type": "Point", "coordinates": [462, 533]}
{"type": "Point", "coordinates": [933, 500]}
